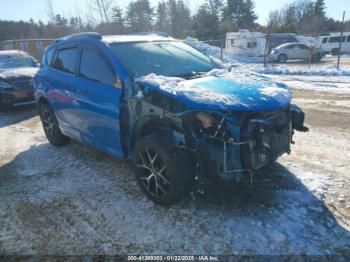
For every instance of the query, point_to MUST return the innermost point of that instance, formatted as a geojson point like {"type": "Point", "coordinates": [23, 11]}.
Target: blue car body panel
{"type": "Point", "coordinates": [248, 96]}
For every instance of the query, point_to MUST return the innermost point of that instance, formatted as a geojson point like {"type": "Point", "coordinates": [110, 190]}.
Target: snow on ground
{"type": "Point", "coordinates": [283, 70]}
{"type": "Point", "coordinates": [77, 200]}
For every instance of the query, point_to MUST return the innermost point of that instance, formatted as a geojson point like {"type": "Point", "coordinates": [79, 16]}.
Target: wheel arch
{"type": "Point", "coordinates": [149, 125]}
{"type": "Point", "coordinates": [42, 100]}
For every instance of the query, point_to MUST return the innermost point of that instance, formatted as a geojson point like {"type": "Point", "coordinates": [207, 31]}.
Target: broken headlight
{"type": "Point", "coordinates": [206, 119]}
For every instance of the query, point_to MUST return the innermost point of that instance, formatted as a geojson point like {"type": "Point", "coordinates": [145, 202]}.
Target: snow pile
{"type": "Point", "coordinates": [179, 86]}
{"type": "Point", "coordinates": [303, 71]}
{"type": "Point", "coordinates": [214, 51]}
{"type": "Point", "coordinates": [277, 92]}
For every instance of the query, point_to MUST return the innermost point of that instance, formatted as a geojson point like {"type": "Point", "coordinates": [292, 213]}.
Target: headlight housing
{"type": "Point", "coordinates": [4, 85]}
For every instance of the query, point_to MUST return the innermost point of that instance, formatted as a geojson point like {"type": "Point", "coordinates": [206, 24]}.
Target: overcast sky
{"type": "Point", "coordinates": [37, 9]}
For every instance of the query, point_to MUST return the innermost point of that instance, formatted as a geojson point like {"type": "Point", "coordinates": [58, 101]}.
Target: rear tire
{"type": "Point", "coordinates": [164, 172]}
{"type": "Point", "coordinates": [50, 126]}
{"type": "Point", "coordinates": [282, 58]}
{"type": "Point", "coordinates": [316, 58]}
{"type": "Point", "coordinates": [335, 51]}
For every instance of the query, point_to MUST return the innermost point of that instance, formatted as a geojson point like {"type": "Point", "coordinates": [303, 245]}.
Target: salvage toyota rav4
{"type": "Point", "coordinates": [178, 114]}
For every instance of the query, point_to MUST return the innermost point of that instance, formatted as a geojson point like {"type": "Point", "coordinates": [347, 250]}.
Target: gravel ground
{"type": "Point", "coordinates": [76, 200]}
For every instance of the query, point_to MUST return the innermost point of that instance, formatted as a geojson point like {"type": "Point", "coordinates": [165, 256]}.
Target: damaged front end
{"type": "Point", "coordinates": [247, 128]}
{"type": "Point", "coordinates": [230, 144]}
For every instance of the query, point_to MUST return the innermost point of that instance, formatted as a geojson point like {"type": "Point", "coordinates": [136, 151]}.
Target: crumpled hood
{"type": "Point", "coordinates": [222, 90]}
{"type": "Point", "coordinates": [18, 72]}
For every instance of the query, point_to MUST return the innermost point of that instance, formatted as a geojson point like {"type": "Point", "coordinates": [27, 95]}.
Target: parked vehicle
{"type": "Point", "coordinates": [295, 51]}
{"type": "Point", "coordinates": [34, 47]}
{"type": "Point", "coordinates": [100, 90]}
{"type": "Point", "coordinates": [329, 43]}
{"type": "Point", "coordinates": [249, 43]}
{"type": "Point", "coordinates": [278, 39]}
{"type": "Point", "coordinates": [17, 70]}
{"type": "Point", "coordinates": [245, 42]}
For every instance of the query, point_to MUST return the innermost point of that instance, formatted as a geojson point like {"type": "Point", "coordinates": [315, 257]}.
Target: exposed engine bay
{"type": "Point", "coordinates": [231, 143]}
{"type": "Point", "coordinates": [227, 144]}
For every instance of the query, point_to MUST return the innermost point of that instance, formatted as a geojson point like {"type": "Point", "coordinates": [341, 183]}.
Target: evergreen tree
{"type": "Point", "coordinates": [162, 18]}
{"type": "Point", "coordinates": [205, 23]}
{"type": "Point", "coordinates": [320, 8]}
{"type": "Point", "coordinates": [290, 21]}
{"type": "Point", "coordinates": [139, 16]}
{"type": "Point", "coordinates": [216, 7]}
{"type": "Point", "coordinates": [180, 17]}
{"type": "Point", "coordinates": [241, 13]}
{"type": "Point", "coordinates": [118, 26]}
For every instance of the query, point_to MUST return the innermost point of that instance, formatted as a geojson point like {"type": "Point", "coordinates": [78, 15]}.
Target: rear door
{"type": "Point", "coordinates": [61, 92]}
{"type": "Point", "coordinates": [305, 52]}
{"type": "Point", "coordinates": [99, 100]}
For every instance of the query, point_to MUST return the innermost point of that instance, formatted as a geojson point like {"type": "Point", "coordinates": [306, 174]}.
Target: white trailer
{"type": "Point", "coordinates": [245, 42]}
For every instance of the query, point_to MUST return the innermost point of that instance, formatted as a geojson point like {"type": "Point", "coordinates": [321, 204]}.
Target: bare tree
{"type": "Point", "coordinates": [101, 13]}
{"type": "Point", "coordinates": [50, 11]}
{"type": "Point", "coordinates": [102, 10]}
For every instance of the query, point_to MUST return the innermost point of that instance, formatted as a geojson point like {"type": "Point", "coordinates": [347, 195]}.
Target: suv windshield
{"type": "Point", "coordinates": [10, 61]}
{"type": "Point", "coordinates": [162, 58]}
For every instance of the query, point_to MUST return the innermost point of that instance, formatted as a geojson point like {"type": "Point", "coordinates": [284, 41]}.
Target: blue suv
{"type": "Point", "coordinates": [175, 112]}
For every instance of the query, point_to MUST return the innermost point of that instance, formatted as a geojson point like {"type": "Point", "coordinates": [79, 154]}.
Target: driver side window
{"type": "Point", "coordinates": [95, 68]}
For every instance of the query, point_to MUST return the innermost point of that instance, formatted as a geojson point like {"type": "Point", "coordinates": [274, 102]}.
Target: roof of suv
{"type": "Point", "coordinates": [138, 37]}
{"type": "Point", "coordinates": [133, 38]}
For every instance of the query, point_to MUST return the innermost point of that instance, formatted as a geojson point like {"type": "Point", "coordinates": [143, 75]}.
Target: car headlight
{"type": "Point", "coordinates": [4, 85]}
{"type": "Point", "coordinates": [205, 119]}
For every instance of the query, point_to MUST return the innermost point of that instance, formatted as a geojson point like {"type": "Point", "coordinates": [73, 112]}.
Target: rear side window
{"type": "Point", "coordinates": [95, 68]}
{"type": "Point", "coordinates": [304, 47]}
{"type": "Point", "coordinates": [49, 56]}
{"type": "Point", "coordinates": [324, 40]}
{"type": "Point", "coordinates": [65, 60]}
{"type": "Point", "coordinates": [348, 39]}
{"type": "Point", "coordinates": [335, 39]}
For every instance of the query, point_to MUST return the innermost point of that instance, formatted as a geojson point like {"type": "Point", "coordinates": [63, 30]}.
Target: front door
{"type": "Point", "coordinates": [99, 101]}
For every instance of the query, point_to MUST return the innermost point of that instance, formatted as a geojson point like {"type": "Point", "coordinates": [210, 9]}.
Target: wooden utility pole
{"type": "Point", "coordinates": [341, 40]}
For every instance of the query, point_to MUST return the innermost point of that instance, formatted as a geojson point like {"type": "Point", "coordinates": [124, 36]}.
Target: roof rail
{"type": "Point", "coordinates": [157, 33]}
{"type": "Point", "coordinates": [79, 35]}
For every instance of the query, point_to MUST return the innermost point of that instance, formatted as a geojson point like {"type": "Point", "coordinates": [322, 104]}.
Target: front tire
{"type": "Point", "coordinates": [4, 106]}
{"type": "Point", "coordinates": [164, 172]}
{"type": "Point", "coordinates": [50, 126]}
{"type": "Point", "coordinates": [282, 58]}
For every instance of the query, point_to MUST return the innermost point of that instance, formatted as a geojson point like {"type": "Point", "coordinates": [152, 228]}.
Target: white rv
{"type": "Point", "coordinates": [329, 43]}
{"type": "Point", "coordinates": [244, 42]}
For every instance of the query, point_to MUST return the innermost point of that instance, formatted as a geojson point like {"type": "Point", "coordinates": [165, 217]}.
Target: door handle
{"type": "Point", "coordinates": [79, 90]}
{"type": "Point", "coordinates": [83, 91]}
